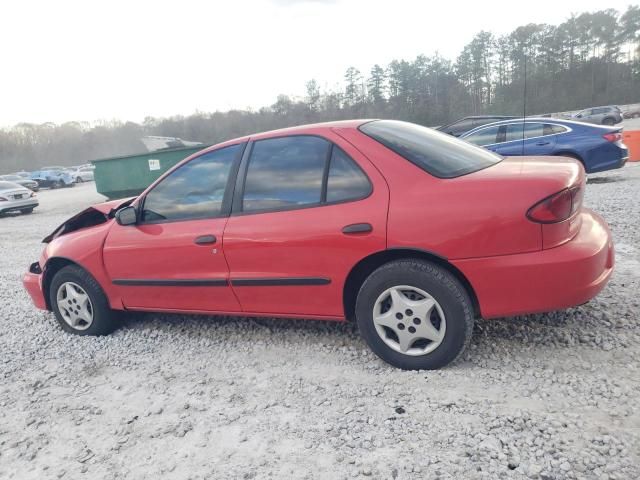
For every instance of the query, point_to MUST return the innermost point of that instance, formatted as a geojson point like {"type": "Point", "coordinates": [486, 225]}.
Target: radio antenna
{"type": "Point", "coordinates": [524, 102]}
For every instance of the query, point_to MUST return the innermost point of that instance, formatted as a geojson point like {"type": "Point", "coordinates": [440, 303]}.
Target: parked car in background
{"type": "Point", "coordinates": [598, 148]}
{"type": "Point", "coordinates": [16, 198]}
{"type": "Point", "coordinates": [599, 115]}
{"type": "Point", "coordinates": [465, 124]}
{"type": "Point", "coordinates": [382, 222]}
{"type": "Point", "coordinates": [25, 182]}
{"type": "Point", "coordinates": [632, 112]}
{"type": "Point", "coordinates": [83, 174]}
{"type": "Point", "coordinates": [52, 178]}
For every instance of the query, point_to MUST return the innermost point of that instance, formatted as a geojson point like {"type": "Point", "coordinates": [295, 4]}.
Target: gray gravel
{"type": "Point", "coordinates": [549, 396]}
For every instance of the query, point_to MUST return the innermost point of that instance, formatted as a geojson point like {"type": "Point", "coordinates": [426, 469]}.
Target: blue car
{"type": "Point", "coordinates": [598, 147]}
{"type": "Point", "coordinates": [52, 178]}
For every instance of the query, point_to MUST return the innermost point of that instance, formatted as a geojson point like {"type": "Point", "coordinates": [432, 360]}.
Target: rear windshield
{"type": "Point", "coordinates": [437, 153]}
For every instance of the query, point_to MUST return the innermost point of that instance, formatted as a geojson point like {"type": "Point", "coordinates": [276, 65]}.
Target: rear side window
{"type": "Point", "coordinates": [285, 173]}
{"type": "Point", "coordinates": [438, 154]}
{"type": "Point", "coordinates": [549, 129]}
{"type": "Point", "coordinates": [345, 181]}
{"type": "Point", "coordinates": [193, 191]}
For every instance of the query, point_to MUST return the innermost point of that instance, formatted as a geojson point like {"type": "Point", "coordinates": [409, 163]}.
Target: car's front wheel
{"type": "Point", "coordinates": [79, 304]}
{"type": "Point", "coordinates": [414, 315]}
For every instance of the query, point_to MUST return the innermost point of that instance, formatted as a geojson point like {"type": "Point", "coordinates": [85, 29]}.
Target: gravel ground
{"type": "Point", "coordinates": [549, 396]}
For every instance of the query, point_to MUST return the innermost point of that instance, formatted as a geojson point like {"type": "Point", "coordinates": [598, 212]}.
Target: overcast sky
{"type": "Point", "coordinates": [126, 59]}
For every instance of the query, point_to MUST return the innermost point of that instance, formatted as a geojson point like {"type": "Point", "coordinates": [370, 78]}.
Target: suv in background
{"type": "Point", "coordinates": [599, 115]}
{"type": "Point", "coordinates": [466, 124]}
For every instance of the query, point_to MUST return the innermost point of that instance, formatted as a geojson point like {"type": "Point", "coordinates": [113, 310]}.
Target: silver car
{"type": "Point", "coordinates": [25, 182]}
{"type": "Point", "coordinates": [83, 174]}
{"type": "Point", "coordinates": [599, 115]}
{"type": "Point", "coordinates": [14, 198]}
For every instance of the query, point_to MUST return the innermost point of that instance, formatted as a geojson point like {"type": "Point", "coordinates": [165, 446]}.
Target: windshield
{"type": "Point", "coordinates": [441, 155]}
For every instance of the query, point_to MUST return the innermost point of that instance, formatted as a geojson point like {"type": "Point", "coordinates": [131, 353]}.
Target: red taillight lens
{"type": "Point", "coordinates": [557, 207]}
{"type": "Point", "coordinates": [612, 137]}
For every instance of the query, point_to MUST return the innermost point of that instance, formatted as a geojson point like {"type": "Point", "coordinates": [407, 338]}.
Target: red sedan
{"type": "Point", "coordinates": [410, 232]}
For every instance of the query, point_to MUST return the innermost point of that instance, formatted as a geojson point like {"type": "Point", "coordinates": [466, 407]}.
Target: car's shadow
{"type": "Point", "coordinates": [575, 326]}
{"type": "Point", "coordinates": [598, 180]}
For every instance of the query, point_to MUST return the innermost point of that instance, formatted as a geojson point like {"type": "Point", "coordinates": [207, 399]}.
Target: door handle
{"type": "Point", "coordinates": [542, 143]}
{"type": "Point", "coordinates": [357, 228]}
{"type": "Point", "coordinates": [205, 239]}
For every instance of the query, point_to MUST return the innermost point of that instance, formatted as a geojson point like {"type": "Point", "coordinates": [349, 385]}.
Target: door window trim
{"type": "Point", "coordinates": [238, 193]}
{"type": "Point", "coordinates": [225, 208]}
{"type": "Point", "coordinates": [567, 130]}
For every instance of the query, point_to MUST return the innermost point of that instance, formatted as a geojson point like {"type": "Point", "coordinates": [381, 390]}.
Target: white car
{"type": "Point", "coordinates": [83, 174]}
{"type": "Point", "coordinates": [14, 198]}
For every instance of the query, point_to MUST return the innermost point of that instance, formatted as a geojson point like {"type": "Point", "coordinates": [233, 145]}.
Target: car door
{"type": "Point", "coordinates": [306, 209]}
{"type": "Point", "coordinates": [530, 138]}
{"type": "Point", "coordinates": [173, 257]}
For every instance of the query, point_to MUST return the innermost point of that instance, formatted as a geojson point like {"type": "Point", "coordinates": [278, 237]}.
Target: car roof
{"type": "Point", "coordinates": [296, 130]}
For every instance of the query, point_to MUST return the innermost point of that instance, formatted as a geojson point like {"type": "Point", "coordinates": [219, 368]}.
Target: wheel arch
{"type": "Point", "coordinates": [367, 265]}
{"type": "Point", "coordinates": [53, 266]}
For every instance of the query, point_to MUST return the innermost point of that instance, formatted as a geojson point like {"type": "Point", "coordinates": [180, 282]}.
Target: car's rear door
{"type": "Point", "coordinates": [530, 138]}
{"type": "Point", "coordinates": [306, 209]}
{"type": "Point", "coordinates": [173, 258]}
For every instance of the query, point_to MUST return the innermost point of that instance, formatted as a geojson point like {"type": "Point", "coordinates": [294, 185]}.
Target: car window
{"type": "Point", "coordinates": [346, 181]}
{"type": "Point", "coordinates": [285, 172]}
{"type": "Point", "coordinates": [598, 111]}
{"type": "Point", "coordinates": [485, 136]}
{"type": "Point", "coordinates": [436, 153]}
{"type": "Point", "coordinates": [514, 131]}
{"type": "Point", "coordinates": [194, 190]}
{"type": "Point", "coordinates": [550, 129]}
{"type": "Point", "coordinates": [462, 125]}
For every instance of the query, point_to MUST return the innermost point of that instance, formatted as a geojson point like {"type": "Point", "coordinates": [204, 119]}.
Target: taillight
{"type": "Point", "coordinates": [612, 137]}
{"type": "Point", "coordinates": [557, 207]}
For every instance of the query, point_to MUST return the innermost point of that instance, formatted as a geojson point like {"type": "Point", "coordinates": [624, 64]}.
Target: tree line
{"type": "Point", "coordinates": [590, 59]}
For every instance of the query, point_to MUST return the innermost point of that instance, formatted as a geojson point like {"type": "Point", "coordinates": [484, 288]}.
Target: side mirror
{"type": "Point", "coordinates": [127, 216]}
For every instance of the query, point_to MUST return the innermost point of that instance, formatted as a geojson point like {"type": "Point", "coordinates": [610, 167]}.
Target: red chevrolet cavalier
{"type": "Point", "coordinates": [408, 231]}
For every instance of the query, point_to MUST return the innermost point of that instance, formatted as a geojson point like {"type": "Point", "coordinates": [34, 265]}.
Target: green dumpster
{"type": "Point", "coordinates": [129, 175]}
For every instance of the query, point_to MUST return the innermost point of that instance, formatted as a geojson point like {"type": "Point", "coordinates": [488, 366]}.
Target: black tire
{"type": "Point", "coordinates": [104, 321]}
{"type": "Point", "coordinates": [79, 180]}
{"type": "Point", "coordinates": [60, 184]}
{"type": "Point", "coordinates": [443, 287]}
{"type": "Point", "coordinates": [608, 121]}
{"type": "Point", "coordinates": [27, 211]}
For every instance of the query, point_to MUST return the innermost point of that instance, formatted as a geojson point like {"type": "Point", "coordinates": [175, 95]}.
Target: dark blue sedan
{"type": "Point", "coordinates": [599, 148]}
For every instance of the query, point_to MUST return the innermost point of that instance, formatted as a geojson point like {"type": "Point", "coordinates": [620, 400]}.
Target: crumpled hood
{"type": "Point", "coordinates": [89, 217]}
{"type": "Point", "coordinates": [110, 208]}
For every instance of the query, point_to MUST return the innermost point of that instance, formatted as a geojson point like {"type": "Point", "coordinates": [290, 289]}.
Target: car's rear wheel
{"type": "Point", "coordinates": [414, 314]}
{"type": "Point", "coordinates": [79, 180]}
{"type": "Point", "coordinates": [79, 304]}
{"type": "Point", "coordinates": [26, 211]}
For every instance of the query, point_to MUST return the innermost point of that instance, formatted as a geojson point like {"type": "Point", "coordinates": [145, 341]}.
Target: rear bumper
{"type": "Point", "coordinates": [19, 205]}
{"type": "Point", "coordinates": [32, 281]}
{"type": "Point", "coordinates": [552, 279]}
